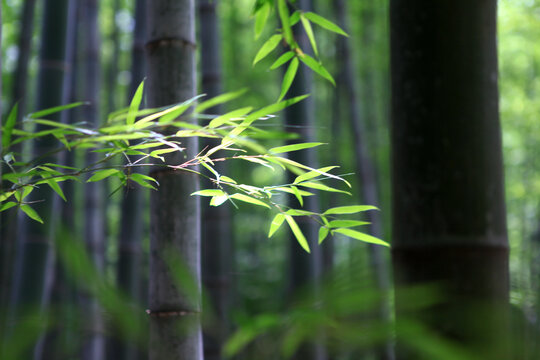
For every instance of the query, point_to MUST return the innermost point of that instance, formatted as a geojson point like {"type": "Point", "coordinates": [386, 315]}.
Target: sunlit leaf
{"type": "Point", "coordinates": [319, 186]}
{"type": "Point", "coordinates": [7, 129]}
{"type": "Point", "coordinates": [4, 196]}
{"type": "Point", "coordinates": [45, 112]}
{"type": "Point", "coordinates": [313, 174]}
{"type": "Point", "coordinates": [346, 223]}
{"type": "Point", "coordinates": [282, 60]}
{"type": "Point", "coordinates": [298, 195]}
{"type": "Point", "coordinates": [323, 233]}
{"type": "Point", "coordinates": [295, 147]}
{"type": "Point", "coordinates": [54, 185]}
{"type": "Point", "coordinates": [261, 17]}
{"type": "Point", "coordinates": [349, 209]}
{"type": "Point", "coordinates": [31, 213]}
{"type": "Point", "coordinates": [226, 118]}
{"type": "Point", "coordinates": [218, 100]}
{"type": "Point", "coordinates": [309, 32]}
{"type": "Point", "coordinates": [276, 224]}
{"type": "Point", "coordinates": [7, 205]}
{"type": "Point", "coordinates": [209, 192]}
{"type": "Point", "coordinates": [218, 200]}
{"type": "Point", "coordinates": [317, 67]}
{"type": "Point", "coordinates": [297, 233]}
{"type": "Point", "coordinates": [102, 174]}
{"type": "Point", "coordinates": [267, 47]}
{"type": "Point", "coordinates": [288, 78]}
{"type": "Point", "coordinates": [135, 104]}
{"type": "Point", "coordinates": [249, 199]}
{"type": "Point", "coordinates": [283, 11]}
{"type": "Point", "coordinates": [361, 236]}
{"type": "Point", "coordinates": [324, 23]}
{"type": "Point", "coordinates": [227, 179]}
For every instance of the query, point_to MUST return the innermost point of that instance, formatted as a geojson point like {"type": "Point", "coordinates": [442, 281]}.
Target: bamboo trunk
{"type": "Point", "coordinates": [449, 220]}
{"type": "Point", "coordinates": [175, 331]}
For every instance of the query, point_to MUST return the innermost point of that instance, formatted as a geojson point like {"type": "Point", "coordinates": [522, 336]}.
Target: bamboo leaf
{"type": "Point", "coordinates": [4, 196]}
{"type": "Point", "coordinates": [218, 100]}
{"type": "Point", "coordinates": [323, 233]}
{"type": "Point", "coordinates": [317, 67]}
{"type": "Point", "coordinates": [346, 223]}
{"type": "Point", "coordinates": [7, 205]}
{"type": "Point", "coordinates": [54, 185]}
{"type": "Point", "coordinates": [349, 209]}
{"type": "Point", "coordinates": [31, 213]}
{"type": "Point", "coordinates": [276, 224]}
{"type": "Point", "coordinates": [309, 32]}
{"type": "Point", "coordinates": [249, 199]}
{"type": "Point", "coordinates": [288, 78]}
{"type": "Point", "coordinates": [297, 233]}
{"type": "Point", "coordinates": [282, 60]}
{"type": "Point", "coordinates": [209, 192]}
{"type": "Point", "coordinates": [135, 104]}
{"type": "Point", "coordinates": [324, 23]}
{"type": "Point", "coordinates": [56, 109]}
{"type": "Point", "coordinates": [319, 186]}
{"type": "Point", "coordinates": [295, 147]}
{"type": "Point", "coordinates": [218, 200]}
{"type": "Point", "coordinates": [267, 48]}
{"type": "Point", "coordinates": [7, 130]}
{"type": "Point", "coordinates": [227, 179]}
{"type": "Point", "coordinates": [283, 11]}
{"type": "Point", "coordinates": [143, 180]}
{"type": "Point", "coordinates": [294, 18]}
{"type": "Point", "coordinates": [226, 118]}
{"type": "Point", "coordinates": [261, 17]}
{"type": "Point", "coordinates": [298, 195]}
{"type": "Point", "coordinates": [102, 174]}
{"type": "Point", "coordinates": [362, 237]}
{"type": "Point", "coordinates": [313, 174]}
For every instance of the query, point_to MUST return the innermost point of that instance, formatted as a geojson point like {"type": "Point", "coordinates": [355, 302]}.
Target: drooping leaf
{"type": "Point", "coordinates": [361, 236]}
{"type": "Point", "coordinates": [218, 200]}
{"type": "Point", "coordinates": [267, 47]}
{"type": "Point", "coordinates": [282, 60]}
{"type": "Point", "coordinates": [323, 233]}
{"type": "Point", "coordinates": [349, 209]}
{"type": "Point", "coordinates": [309, 32]}
{"type": "Point", "coordinates": [319, 186]}
{"type": "Point", "coordinates": [324, 23]}
{"type": "Point", "coordinates": [54, 185]}
{"type": "Point", "coordinates": [21, 194]}
{"type": "Point", "coordinates": [249, 199]}
{"type": "Point", "coordinates": [31, 213]}
{"type": "Point", "coordinates": [218, 100]}
{"type": "Point", "coordinates": [261, 16]}
{"type": "Point", "coordinates": [7, 205]}
{"type": "Point", "coordinates": [276, 224]}
{"type": "Point", "coordinates": [45, 112]}
{"type": "Point", "coordinates": [283, 11]}
{"type": "Point", "coordinates": [135, 104]}
{"type": "Point", "coordinates": [102, 174]}
{"type": "Point", "coordinates": [209, 192]}
{"type": "Point", "coordinates": [317, 67]}
{"type": "Point", "coordinates": [288, 78]}
{"type": "Point", "coordinates": [295, 147]}
{"type": "Point", "coordinates": [7, 130]}
{"type": "Point", "coordinates": [144, 180]}
{"type": "Point", "coordinates": [297, 233]}
{"type": "Point", "coordinates": [346, 223]}
{"type": "Point", "coordinates": [227, 179]}
{"type": "Point", "coordinates": [313, 174]}
{"type": "Point", "coordinates": [298, 195]}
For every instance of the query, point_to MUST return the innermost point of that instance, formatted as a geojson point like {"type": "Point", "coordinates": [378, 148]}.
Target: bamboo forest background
{"type": "Point", "coordinates": [261, 285]}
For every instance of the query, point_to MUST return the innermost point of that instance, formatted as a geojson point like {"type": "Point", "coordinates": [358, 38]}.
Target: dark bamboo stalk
{"type": "Point", "coordinates": [216, 239]}
{"type": "Point", "coordinates": [449, 222]}
{"type": "Point", "coordinates": [175, 331]}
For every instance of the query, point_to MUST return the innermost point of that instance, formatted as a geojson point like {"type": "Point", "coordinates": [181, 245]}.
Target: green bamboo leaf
{"type": "Point", "coordinates": [346, 223]}
{"type": "Point", "coordinates": [135, 104]}
{"type": "Point", "coordinates": [299, 212]}
{"type": "Point", "coordinates": [55, 109]}
{"type": "Point", "coordinates": [283, 11]}
{"type": "Point", "coordinates": [319, 186]}
{"type": "Point", "coordinates": [218, 200]}
{"type": "Point", "coordinates": [298, 195]}
{"type": "Point", "coordinates": [267, 48]}
{"type": "Point", "coordinates": [7, 130]}
{"type": "Point", "coordinates": [102, 174]}
{"type": "Point", "coordinates": [209, 192]}
{"type": "Point", "coordinates": [226, 118]}
{"type": "Point", "coordinates": [218, 100]}
{"type": "Point", "coordinates": [349, 209]}
{"type": "Point", "coordinates": [317, 67]}
{"type": "Point", "coordinates": [324, 23]}
{"type": "Point", "coordinates": [54, 185]}
{"type": "Point", "coordinates": [4, 196]}
{"type": "Point", "coordinates": [31, 213]}
{"type": "Point", "coordinates": [261, 16]}
{"type": "Point", "coordinates": [20, 195]}
{"type": "Point", "coordinates": [282, 60]}
{"type": "Point", "coordinates": [323, 233]}
{"type": "Point", "coordinates": [297, 233]}
{"type": "Point", "coordinates": [295, 147]}
{"type": "Point", "coordinates": [309, 32]}
{"type": "Point", "coordinates": [276, 224]}
{"type": "Point", "coordinates": [361, 236]}
{"type": "Point", "coordinates": [249, 199]}
{"type": "Point", "coordinates": [227, 179]}
{"type": "Point", "coordinates": [313, 174]}
{"type": "Point", "coordinates": [290, 191]}
{"type": "Point", "coordinates": [7, 205]}
{"type": "Point", "coordinates": [144, 180]}
{"type": "Point", "coordinates": [288, 78]}
{"type": "Point", "coordinates": [294, 18]}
